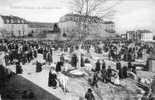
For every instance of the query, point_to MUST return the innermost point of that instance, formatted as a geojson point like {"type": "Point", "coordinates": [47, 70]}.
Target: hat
{"type": "Point", "coordinates": [89, 90]}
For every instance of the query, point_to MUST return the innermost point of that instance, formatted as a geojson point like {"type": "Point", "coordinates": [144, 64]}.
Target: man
{"type": "Point", "coordinates": [89, 95]}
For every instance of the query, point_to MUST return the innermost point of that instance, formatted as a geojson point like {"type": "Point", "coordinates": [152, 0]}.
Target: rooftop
{"type": "Point", "coordinates": [140, 31]}
{"type": "Point", "coordinates": [82, 18]}
{"type": "Point", "coordinates": [41, 25]}
{"type": "Point", "coordinates": [13, 19]}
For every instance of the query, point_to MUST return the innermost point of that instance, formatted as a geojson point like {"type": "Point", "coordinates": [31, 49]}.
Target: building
{"type": "Point", "coordinates": [13, 26]}
{"type": "Point", "coordinates": [71, 24]}
{"type": "Point", "coordinates": [139, 35]}
{"type": "Point", "coordinates": [147, 36]}
{"type": "Point", "coordinates": [39, 29]}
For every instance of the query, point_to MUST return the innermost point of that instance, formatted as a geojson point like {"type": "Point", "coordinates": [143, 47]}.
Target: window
{"type": "Point", "coordinates": [12, 21]}
{"type": "Point", "coordinates": [7, 21]}
{"type": "Point", "coordinates": [22, 21]}
{"type": "Point", "coordinates": [18, 21]}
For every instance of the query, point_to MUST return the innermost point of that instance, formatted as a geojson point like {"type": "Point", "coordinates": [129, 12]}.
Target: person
{"type": "Point", "coordinates": [89, 95]}
{"type": "Point", "coordinates": [49, 58]}
{"type": "Point", "coordinates": [109, 74]}
{"type": "Point", "coordinates": [63, 80]}
{"type": "Point", "coordinates": [103, 65]}
{"type": "Point", "coordinates": [95, 80]}
{"type": "Point", "coordinates": [35, 53]}
{"type": "Point", "coordinates": [66, 66]}
{"type": "Point", "coordinates": [38, 67]}
{"type": "Point", "coordinates": [62, 59]}
{"type": "Point", "coordinates": [103, 75]}
{"type": "Point", "coordinates": [2, 76]}
{"type": "Point", "coordinates": [129, 66]}
{"type": "Point", "coordinates": [125, 72]}
{"type": "Point", "coordinates": [52, 78]}
{"type": "Point", "coordinates": [134, 69]}
{"type": "Point", "coordinates": [97, 68]}
{"type": "Point", "coordinates": [7, 59]}
{"type": "Point", "coordinates": [19, 69]}
{"type": "Point", "coordinates": [74, 61]}
{"type": "Point", "coordinates": [116, 79]}
{"type": "Point", "coordinates": [118, 65]}
{"type": "Point", "coordinates": [58, 66]}
{"type": "Point", "coordinates": [82, 61]}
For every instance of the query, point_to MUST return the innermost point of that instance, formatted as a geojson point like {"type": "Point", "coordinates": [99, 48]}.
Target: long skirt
{"type": "Point", "coordinates": [52, 82]}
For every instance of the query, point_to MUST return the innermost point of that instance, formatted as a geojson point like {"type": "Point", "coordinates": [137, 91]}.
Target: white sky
{"type": "Point", "coordinates": [131, 14]}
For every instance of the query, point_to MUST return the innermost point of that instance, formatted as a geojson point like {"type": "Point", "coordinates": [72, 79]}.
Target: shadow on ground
{"type": "Point", "coordinates": [19, 88]}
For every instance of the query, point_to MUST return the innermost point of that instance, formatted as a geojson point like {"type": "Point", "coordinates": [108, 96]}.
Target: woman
{"type": "Point", "coordinates": [19, 69]}
{"type": "Point", "coordinates": [89, 95]}
{"type": "Point", "coordinates": [52, 78]}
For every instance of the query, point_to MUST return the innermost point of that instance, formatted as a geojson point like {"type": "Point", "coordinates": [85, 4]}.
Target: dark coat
{"type": "Point", "coordinates": [58, 66]}
{"type": "Point", "coordinates": [118, 65]}
{"type": "Point", "coordinates": [124, 72]}
{"type": "Point", "coordinates": [74, 61]}
{"type": "Point", "coordinates": [52, 79]}
{"type": "Point", "coordinates": [82, 62]}
{"type": "Point", "coordinates": [89, 96]}
{"type": "Point", "coordinates": [103, 66]}
{"type": "Point", "coordinates": [49, 57]}
{"type": "Point", "coordinates": [19, 69]}
{"type": "Point", "coordinates": [97, 67]}
{"type": "Point", "coordinates": [38, 67]}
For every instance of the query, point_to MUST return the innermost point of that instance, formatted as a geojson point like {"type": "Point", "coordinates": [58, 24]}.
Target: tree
{"type": "Point", "coordinates": [88, 9]}
{"type": "Point", "coordinates": [91, 8]}
{"type": "Point", "coordinates": [100, 8]}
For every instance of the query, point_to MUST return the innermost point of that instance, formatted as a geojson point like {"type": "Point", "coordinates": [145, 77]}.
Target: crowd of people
{"type": "Point", "coordinates": [20, 52]}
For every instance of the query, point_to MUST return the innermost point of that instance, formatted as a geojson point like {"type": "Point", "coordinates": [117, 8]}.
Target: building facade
{"type": "Point", "coordinates": [44, 30]}
{"type": "Point", "coordinates": [140, 35]}
{"type": "Point", "coordinates": [13, 26]}
{"type": "Point", "coordinates": [37, 28]}
{"type": "Point", "coordinates": [73, 23]}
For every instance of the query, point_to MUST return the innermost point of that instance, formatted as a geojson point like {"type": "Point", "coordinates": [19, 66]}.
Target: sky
{"type": "Point", "coordinates": [130, 14]}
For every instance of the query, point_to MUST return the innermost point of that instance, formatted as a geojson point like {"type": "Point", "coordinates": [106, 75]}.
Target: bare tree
{"type": "Point", "coordinates": [86, 8]}
{"type": "Point", "coordinates": [93, 7]}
